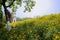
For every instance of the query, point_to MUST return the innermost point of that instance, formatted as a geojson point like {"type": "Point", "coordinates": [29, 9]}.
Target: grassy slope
{"type": "Point", "coordinates": [48, 24]}
{"type": "Point", "coordinates": [48, 20]}
{"type": "Point", "coordinates": [53, 19]}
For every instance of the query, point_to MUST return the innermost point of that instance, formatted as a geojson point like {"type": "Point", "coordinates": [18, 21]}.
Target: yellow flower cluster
{"type": "Point", "coordinates": [32, 27]}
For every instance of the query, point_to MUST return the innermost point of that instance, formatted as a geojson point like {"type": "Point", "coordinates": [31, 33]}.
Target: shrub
{"type": "Point", "coordinates": [42, 28]}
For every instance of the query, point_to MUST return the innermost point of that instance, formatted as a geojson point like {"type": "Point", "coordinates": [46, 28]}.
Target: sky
{"type": "Point", "coordinates": [41, 8]}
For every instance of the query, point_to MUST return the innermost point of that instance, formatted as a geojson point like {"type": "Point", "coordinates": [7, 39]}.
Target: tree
{"type": "Point", "coordinates": [13, 4]}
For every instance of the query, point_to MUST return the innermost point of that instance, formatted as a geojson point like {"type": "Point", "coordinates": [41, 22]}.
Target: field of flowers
{"type": "Point", "coordinates": [41, 28]}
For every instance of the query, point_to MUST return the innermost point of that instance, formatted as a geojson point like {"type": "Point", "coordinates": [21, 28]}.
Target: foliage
{"type": "Point", "coordinates": [14, 5]}
{"type": "Point", "coordinates": [1, 18]}
{"type": "Point", "coordinates": [42, 28]}
{"type": "Point", "coordinates": [28, 4]}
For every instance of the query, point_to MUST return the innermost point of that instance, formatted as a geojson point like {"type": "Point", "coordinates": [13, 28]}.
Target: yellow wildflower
{"type": "Point", "coordinates": [56, 36]}
{"type": "Point", "coordinates": [29, 31]}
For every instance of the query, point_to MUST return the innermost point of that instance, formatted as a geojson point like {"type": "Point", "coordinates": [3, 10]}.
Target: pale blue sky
{"type": "Point", "coordinates": [42, 7]}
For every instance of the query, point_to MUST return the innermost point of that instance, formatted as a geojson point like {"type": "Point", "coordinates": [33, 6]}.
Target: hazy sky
{"type": "Point", "coordinates": [42, 7]}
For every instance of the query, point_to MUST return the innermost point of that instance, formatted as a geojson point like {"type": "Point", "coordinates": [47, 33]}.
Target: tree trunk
{"type": "Point", "coordinates": [7, 14]}
{"type": "Point", "coordinates": [8, 17]}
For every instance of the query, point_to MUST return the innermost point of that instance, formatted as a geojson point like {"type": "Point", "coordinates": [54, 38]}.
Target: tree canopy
{"type": "Point", "coordinates": [13, 4]}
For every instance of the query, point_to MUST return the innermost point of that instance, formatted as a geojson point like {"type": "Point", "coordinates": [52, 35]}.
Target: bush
{"type": "Point", "coordinates": [42, 28]}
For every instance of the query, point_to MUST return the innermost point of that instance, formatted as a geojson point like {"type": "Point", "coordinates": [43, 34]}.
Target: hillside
{"type": "Point", "coordinates": [48, 19]}
{"type": "Point", "coordinates": [42, 28]}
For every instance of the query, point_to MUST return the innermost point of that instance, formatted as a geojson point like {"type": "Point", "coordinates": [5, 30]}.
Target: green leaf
{"type": "Point", "coordinates": [0, 1]}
